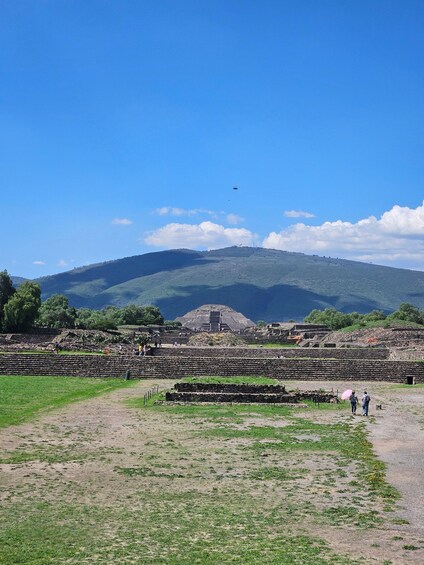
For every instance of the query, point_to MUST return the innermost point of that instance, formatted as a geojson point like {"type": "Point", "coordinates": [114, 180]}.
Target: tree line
{"type": "Point", "coordinates": [336, 320]}
{"type": "Point", "coordinates": [22, 309]}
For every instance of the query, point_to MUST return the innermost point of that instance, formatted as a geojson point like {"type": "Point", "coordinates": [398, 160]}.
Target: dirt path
{"type": "Point", "coordinates": [398, 437]}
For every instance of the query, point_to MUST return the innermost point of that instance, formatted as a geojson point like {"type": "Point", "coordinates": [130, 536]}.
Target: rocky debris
{"type": "Point", "coordinates": [221, 339]}
{"type": "Point", "coordinates": [27, 342]}
{"type": "Point", "coordinates": [69, 340]}
{"type": "Point", "coordinates": [392, 338]}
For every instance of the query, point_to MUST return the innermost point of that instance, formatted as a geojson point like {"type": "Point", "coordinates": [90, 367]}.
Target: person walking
{"type": "Point", "coordinates": [353, 402]}
{"type": "Point", "coordinates": [366, 399]}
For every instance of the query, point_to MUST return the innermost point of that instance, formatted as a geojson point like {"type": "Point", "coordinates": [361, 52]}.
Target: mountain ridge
{"type": "Point", "coordinates": [260, 283]}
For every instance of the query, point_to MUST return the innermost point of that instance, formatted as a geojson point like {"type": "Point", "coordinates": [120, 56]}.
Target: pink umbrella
{"type": "Point", "coordinates": [346, 394]}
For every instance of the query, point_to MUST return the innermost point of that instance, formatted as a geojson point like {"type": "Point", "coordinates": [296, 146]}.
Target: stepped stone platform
{"type": "Point", "coordinates": [176, 367]}
{"type": "Point", "coordinates": [238, 397]}
{"type": "Point", "coordinates": [273, 353]}
{"type": "Point", "coordinates": [230, 387]}
{"type": "Point", "coordinates": [242, 393]}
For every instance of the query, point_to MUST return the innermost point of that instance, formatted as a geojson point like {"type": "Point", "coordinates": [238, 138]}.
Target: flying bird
{"type": "Point", "coordinates": [235, 188]}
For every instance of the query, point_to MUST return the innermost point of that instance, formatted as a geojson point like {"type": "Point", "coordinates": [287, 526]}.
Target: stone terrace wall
{"type": "Point", "coordinates": [178, 367]}
{"type": "Point", "coordinates": [406, 355]}
{"type": "Point", "coordinates": [273, 353]}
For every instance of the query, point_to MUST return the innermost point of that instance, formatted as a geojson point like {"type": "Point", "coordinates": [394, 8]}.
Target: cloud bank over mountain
{"type": "Point", "coordinates": [394, 239]}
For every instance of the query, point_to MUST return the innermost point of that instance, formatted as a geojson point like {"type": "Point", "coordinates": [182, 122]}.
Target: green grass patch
{"type": "Point", "coordinates": [350, 514]}
{"type": "Point", "coordinates": [410, 387]}
{"type": "Point", "coordinates": [175, 529]}
{"type": "Point", "coordinates": [22, 397]}
{"type": "Point", "coordinates": [381, 324]}
{"type": "Point", "coordinates": [232, 412]}
{"type": "Point", "coordinates": [76, 352]}
{"type": "Point", "coordinates": [277, 474]}
{"type": "Point", "coordinates": [233, 380]}
{"type": "Point", "coordinates": [147, 472]}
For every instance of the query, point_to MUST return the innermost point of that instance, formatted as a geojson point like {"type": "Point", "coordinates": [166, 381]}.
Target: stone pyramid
{"type": "Point", "coordinates": [215, 318]}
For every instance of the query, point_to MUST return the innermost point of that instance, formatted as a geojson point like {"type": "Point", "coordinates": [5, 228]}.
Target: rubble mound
{"type": "Point", "coordinates": [395, 337]}
{"type": "Point", "coordinates": [68, 340]}
{"type": "Point", "coordinates": [94, 340]}
{"type": "Point", "coordinates": [221, 339]}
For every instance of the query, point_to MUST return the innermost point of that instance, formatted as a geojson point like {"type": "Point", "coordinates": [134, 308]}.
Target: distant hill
{"type": "Point", "coordinates": [262, 284]}
{"type": "Point", "coordinates": [17, 281]}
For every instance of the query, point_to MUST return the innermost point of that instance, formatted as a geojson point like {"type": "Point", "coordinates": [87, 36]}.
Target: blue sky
{"type": "Point", "coordinates": [126, 124]}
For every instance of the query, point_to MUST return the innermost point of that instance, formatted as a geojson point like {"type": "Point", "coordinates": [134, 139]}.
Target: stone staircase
{"type": "Point", "coordinates": [178, 366]}
{"type": "Point", "coordinates": [274, 353]}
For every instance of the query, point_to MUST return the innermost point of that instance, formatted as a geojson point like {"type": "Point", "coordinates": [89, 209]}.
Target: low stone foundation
{"type": "Point", "coordinates": [230, 387]}
{"type": "Point", "coordinates": [230, 397]}
{"type": "Point", "coordinates": [244, 393]}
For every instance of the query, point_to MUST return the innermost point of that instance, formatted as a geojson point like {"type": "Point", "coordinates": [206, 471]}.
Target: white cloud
{"type": "Point", "coordinates": [404, 221]}
{"type": "Point", "coordinates": [397, 238]}
{"type": "Point", "coordinates": [38, 263]}
{"type": "Point", "coordinates": [121, 222]}
{"type": "Point", "coordinates": [298, 214]}
{"type": "Point", "coordinates": [233, 219]}
{"type": "Point", "coordinates": [204, 235]}
{"type": "Point", "coordinates": [172, 211]}
{"type": "Point", "coordinates": [62, 263]}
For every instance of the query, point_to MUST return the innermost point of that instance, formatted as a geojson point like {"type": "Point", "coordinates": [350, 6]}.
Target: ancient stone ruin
{"type": "Point", "coordinates": [215, 318]}
{"type": "Point", "coordinates": [244, 393]}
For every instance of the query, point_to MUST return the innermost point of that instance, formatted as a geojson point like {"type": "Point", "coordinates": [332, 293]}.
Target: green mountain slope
{"type": "Point", "coordinates": [17, 281]}
{"type": "Point", "coordinates": [261, 283]}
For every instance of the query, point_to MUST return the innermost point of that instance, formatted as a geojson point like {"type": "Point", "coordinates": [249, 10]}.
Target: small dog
{"type": "Point", "coordinates": [379, 406]}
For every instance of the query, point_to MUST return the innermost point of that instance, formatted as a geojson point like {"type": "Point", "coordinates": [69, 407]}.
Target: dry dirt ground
{"type": "Point", "coordinates": [105, 434]}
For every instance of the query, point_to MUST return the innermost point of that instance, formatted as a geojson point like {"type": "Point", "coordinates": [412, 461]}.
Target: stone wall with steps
{"type": "Point", "coordinates": [178, 367]}
{"type": "Point", "coordinates": [273, 353]}
{"type": "Point", "coordinates": [242, 392]}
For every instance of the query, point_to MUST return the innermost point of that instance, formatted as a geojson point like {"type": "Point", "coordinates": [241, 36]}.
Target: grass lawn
{"type": "Point", "coordinates": [195, 484]}
{"type": "Point", "coordinates": [23, 397]}
{"type": "Point", "coordinates": [232, 380]}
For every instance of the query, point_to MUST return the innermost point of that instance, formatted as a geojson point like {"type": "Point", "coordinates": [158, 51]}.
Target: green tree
{"type": "Point", "coordinates": [7, 290]}
{"type": "Point", "coordinates": [332, 318]}
{"type": "Point", "coordinates": [21, 309]}
{"type": "Point", "coordinates": [94, 320]}
{"type": "Point", "coordinates": [374, 316]}
{"type": "Point", "coordinates": [111, 316]}
{"type": "Point", "coordinates": [152, 315]}
{"type": "Point", "coordinates": [133, 315]}
{"type": "Point", "coordinates": [55, 312]}
{"type": "Point", "coordinates": [141, 315]}
{"type": "Point", "coordinates": [408, 313]}
{"type": "Point", "coordinates": [172, 324]}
